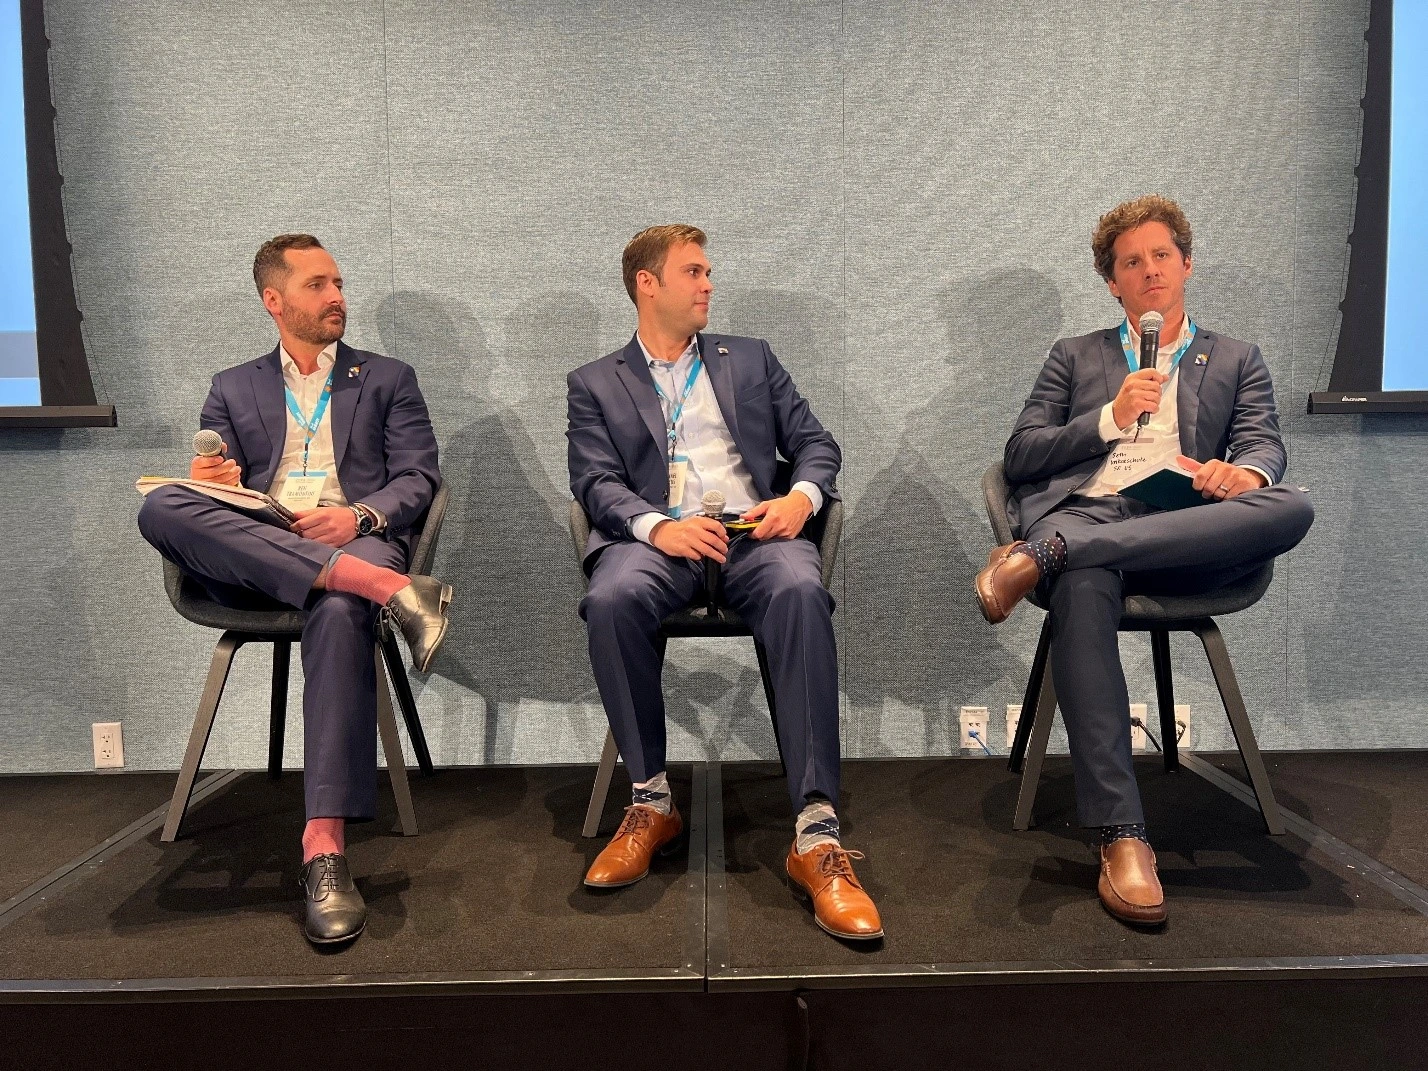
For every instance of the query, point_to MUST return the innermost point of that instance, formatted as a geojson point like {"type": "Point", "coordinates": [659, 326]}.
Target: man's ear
{"type": "Point", "coordinates": [1114, 289]}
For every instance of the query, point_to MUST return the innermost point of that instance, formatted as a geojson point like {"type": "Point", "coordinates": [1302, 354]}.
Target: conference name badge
{"type": "Point", "coordinates": [1130, 458]}
{"type": "Point", "coordinates": [302, 490]}
{"type": "Point", "coordinates": [678, 475]}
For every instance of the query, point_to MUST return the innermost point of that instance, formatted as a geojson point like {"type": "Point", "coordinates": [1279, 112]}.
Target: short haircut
{"type": "Point", "coordinates": [270, 266]}
{"type": "Point", "coordinates": [1152, 208]}
{"type": "Point", "coordinates": [647, 250]}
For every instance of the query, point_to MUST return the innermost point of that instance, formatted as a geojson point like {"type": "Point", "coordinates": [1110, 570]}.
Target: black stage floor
{"type": "Point", "coordinates": [481, 936]}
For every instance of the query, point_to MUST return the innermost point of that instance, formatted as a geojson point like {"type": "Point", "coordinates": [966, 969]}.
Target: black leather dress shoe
{"type": "Point", "coordinates": [335, 911]}
{"type": "Point", "coordinates": [419, 612]}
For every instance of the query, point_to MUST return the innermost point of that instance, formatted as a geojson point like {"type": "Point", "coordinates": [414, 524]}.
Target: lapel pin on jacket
{"type": "Point", "coordinates": [724, 350]}
{"type": "Point", "coordinates": [1201, 358]}
{"type": "Point", "coordinates": [355, 369]}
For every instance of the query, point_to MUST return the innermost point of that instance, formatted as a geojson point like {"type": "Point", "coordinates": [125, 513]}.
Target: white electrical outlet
{"type": "Point", "coordinates": [1138, 713]}
{"type": "Point", "coordinates": [108, 744]}
{"type": "Point", "coordinates": [1013, 717]}
{"type": "Point", "coordinates": [1182, 726]}
{"type": "Point", "coordinates": [974, 721]}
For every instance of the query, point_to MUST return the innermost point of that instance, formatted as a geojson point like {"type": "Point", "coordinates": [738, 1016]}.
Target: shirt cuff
{"type": "Point", "coordinates": [1267, 481]}
{"type": "Point", "coordinates": [1110, 431]}
{"type": "Point", "coordinates": [644, 524]}
{"type": "Point", "coordinates": [811, 490]}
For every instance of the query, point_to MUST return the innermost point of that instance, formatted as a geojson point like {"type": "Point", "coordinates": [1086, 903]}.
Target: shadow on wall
{"type": "Point", "coordinates": [914, 634]}
{"type": "Point", "coordinates": [516, 634]}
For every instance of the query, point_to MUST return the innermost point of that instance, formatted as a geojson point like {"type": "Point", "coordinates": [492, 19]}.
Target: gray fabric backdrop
{"type": "Point", "coordinates": [899, 196]}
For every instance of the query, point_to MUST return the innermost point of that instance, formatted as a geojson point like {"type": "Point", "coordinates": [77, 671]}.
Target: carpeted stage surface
{"type": "Point", "coordinates": [1375, 800]}
{"type": "Point", "coordinates": [955, 884]}
{"type": "Point", "coordinates": [493, 883]}
{"type": "Point", "coordinates": [49, 819]}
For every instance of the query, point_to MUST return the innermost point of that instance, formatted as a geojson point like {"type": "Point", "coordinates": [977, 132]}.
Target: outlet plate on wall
{"type": "Point", "coordinates": [108, 744]}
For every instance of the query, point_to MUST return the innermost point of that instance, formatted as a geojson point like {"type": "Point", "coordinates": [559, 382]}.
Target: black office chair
{"type": "Point", "coordinates": [824, 528]}
{"type": "Point", "coordinates": [281, 627]}
{"type": "Point", "coordinates": [1158, 615]}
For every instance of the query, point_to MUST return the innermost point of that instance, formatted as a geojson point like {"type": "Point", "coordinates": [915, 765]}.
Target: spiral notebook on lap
{"type": "Point", "coordinates": [255, 502]}
{"type": "Point", "coordinates": [1167, 487]}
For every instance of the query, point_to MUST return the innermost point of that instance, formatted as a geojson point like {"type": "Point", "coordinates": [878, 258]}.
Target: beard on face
{"type": "Point", "coordinates": [318, 330]}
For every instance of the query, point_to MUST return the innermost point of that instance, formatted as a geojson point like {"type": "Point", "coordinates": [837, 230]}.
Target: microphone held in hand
{"type": "Point", "coordinates": [712, 505]}
{"type": "Point", "coordinates": [1150, 324]}
{"type": "Point", "coordinates": [207, 443]}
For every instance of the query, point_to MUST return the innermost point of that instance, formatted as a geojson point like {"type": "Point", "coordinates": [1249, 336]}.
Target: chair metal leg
{"type": "Point", "coordinates": [278, 707]}
{"type": "Point", "coordinates": [763, 657]}
{"type": "Point", "coordinates": [1029, 699]}
{"type": "Point", "coordinates": [609, 755]}
{"type": "Point", "coordinates": [1225, 680]}
{"type": "Point", "coordinates": [405, 700]}
{"type": "Point", "coordinates": [392, 749]}
{"type": "Point", "coordinates": [222, 661]}
{"type": "Point", "coordinates": [1036, 751]}
{"type": "Point", "coordinates": [1165, 697]}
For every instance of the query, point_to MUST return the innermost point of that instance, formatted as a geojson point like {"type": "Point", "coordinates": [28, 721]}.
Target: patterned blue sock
{"type": "Point", "coordinates": [1049, 555]}
{"type": "Point", "coordinates": [1134, 830]}
{"type": "Point", "coordinates": [816, 824]}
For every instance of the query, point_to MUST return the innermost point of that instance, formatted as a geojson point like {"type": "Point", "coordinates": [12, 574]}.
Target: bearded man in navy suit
{"type": "Point", "coordinates": [1078, 441]}
{"type": "Point", "coordinates": [653, 426]}
{"type": "Point", "coordinates": [341, 436]}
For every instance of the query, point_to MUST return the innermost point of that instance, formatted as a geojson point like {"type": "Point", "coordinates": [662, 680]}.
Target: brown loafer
{"type": "Point", "coordinates": [1129, 887]}
{"type": "Point", "coordinates": [1006, 580]}
{"type": "Point", "coordinates": [840, 906]}
{"type": "Point", "coordinates": [626, 859]}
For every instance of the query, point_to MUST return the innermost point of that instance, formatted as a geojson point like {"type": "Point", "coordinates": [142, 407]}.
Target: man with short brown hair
{"type": "Point", "coordinates": [654, 426]}
{"type": "Point", "coordinates": [1093, 426]}
{"type": "Point", "coordinates": [341, 437]}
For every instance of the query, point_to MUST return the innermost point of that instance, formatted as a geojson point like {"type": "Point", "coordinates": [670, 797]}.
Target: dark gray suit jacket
{"type": "Point", "coordinates": [617, 441]}
{"type": "Point", "coordinates": [1225, 406]}
{"type": "Point", "coordinates": [381, 432]}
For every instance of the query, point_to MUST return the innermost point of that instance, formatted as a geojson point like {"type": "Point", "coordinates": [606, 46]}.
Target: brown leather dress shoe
{"type": "Point", "coordinates": [1006, 580]}
{"type": "Point", "coordinates": [840, 906]}
{"type": "Point", "coordinates": [1129, 887]}
{"type": "Point", "coordinates": [626, 859]}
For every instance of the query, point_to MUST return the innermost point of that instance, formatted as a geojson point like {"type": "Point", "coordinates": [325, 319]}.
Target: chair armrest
{"type": "Point", "coordinates": [579, 535]}
{"type": "Point", "coordinates": [425, 549]}
{"type": "Point", "coordinates": [828, 539]}
{"type": "Point", "coordinates": [996, 491]}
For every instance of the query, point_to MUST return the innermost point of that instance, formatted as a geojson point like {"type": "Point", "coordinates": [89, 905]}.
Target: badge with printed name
{"type": "Point", "coordinates": [678, 474]}
{"type": "Point", "coordinates": [302, 490]}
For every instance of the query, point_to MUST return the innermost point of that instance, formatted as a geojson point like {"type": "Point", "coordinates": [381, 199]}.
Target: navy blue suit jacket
{"type": "Point", "coordinates": [617, 445]}
{"type": "Point", "coordinates": [381, 432]}
{"type": "Point", "coordinates": [1224, 405]}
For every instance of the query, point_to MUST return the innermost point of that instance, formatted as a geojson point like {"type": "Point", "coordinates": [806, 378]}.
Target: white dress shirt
{"type": "Point", "coordinates": [1163, 428]}
{"type": "Point", "coordinates": [320, 457]}
{"type": "Point", "coordinates": [703, 438]}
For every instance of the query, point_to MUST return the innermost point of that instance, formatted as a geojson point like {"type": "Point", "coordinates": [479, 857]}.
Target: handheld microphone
{"type": "Point", "coordinates": [207, 443]}
{"type": "Point", "coordinates": [712, 505]}
{"type": "Point", "coordinates": [1150, 324]}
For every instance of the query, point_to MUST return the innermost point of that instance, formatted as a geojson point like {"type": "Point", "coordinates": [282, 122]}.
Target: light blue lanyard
{"type": "Point", "coordinates": [1133, 360]}
{"type": "Point", "coordinates": [678, 410]}
{"type": "Point", "coordinates": [309, 425]}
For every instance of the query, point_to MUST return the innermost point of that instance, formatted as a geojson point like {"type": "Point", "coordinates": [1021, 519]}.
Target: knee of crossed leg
{"type": "Point", "coordinates": [157, 511]}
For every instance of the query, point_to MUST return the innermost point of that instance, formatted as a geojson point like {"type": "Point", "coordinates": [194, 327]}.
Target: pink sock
{"type": "Point", "coordinates": [351, 574]}
{"type": "Point", "coordinates": [323, 836]}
